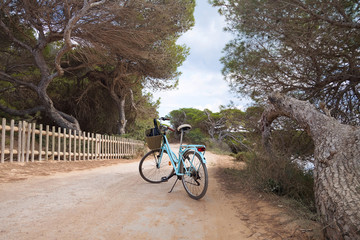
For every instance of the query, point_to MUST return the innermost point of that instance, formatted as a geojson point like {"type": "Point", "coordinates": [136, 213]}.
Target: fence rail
{"type": "Point", "coordinates": [24, 142]}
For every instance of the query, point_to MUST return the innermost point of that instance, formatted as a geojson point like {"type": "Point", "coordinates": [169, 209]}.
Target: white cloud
{"type": "Point", "coordinates": [201, 85]}
{"type": "Point", "coordinates": [205, 37]}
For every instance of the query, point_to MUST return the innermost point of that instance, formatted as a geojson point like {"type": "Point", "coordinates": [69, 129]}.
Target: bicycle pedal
{"type": "Point", "coordinates": [164, 179]}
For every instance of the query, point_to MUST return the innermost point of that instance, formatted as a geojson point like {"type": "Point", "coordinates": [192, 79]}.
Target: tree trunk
{"type": "Point", "coordinates": [337, 164]}
{"type": "Point", "coordinates": [120, 104]}
{"type": "Point", "coordinates": [122, 118]}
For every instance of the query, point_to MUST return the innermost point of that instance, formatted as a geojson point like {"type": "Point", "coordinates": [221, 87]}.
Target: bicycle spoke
{"type": "Point", "coordinates": [195, 179]}
{"type": "Point", "coordinates": [154, 168]}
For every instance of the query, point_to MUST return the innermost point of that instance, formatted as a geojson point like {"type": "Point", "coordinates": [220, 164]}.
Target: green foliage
{"type": "Point", "coordinates": [280, 175]}
{"type": "Point", "coordinates": [196, 136]}
{"type": "Point", "coordinates": [128, 49]}
{"type": "Point", "coordinates": [302, 48]}
{"type": "Point", "coordinates": [239, 132]}
{"type": "Point", "coordinates": [244, 156]}
{"type": "Point", "coordinates": [220, 130]}
{"type": "Point", "coordinates": [280, 172]}
{"type": "Point", "coordinates": [191, 116]}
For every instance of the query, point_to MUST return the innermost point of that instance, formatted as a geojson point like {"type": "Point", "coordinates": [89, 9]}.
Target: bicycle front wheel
{"type": "Point", "coordinates": [153, 167]}
{"type": "Point", "coordinates": [195, 178]}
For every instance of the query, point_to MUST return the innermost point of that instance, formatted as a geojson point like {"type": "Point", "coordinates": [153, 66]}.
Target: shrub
{"type": "Point", "coordinates": [279, 175]}
{"type": "Point", "coordinates": [243, 156]}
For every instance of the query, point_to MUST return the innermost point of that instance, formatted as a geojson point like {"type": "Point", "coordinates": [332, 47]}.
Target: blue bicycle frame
{"type": "Point", "coordinates": [182, 149]}
{"type": "Point", "coordinates": [189, 165]}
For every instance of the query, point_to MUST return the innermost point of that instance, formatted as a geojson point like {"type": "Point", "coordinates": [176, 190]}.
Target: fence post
{"type": "Point", "coordinates": [79, 144]}
{"type": "Point", "coordinates": [101, 147]}
{"type": "Point", "coordinates": [84, 144]}
{"type": "Point", "coordinates": [70, 135]}
{"type": "Point", "coordinates": [96, 146]}
{"type": "Point", "coordinates": [132, 147]}
{"type": "Point", "coordinates": [111, 147]}
{"type": "Point", "coordinates": [40, 141]}
{"type": "Point", "coordinates": [59, 143]}
{"type": "Point", "coordinates": [47, 143]}
{"type": "Point", "coordinates": [64, 149]}
{"type": "Point", "coordinates": [19, 142]}
{"type": "Point", "coordinates": [97, 143]}
{"type": "Point", "coordinates": [92, 146]}
{"type": "Point", "coordinates": [53, 143]}
{"type": "Point", "coordinates": [108, 147]}
{"type": "Point", "coordinates": [120, 146]}
{"type": "Point", "coordinates": [28, 142]}
{"type": "Point", "coordinates": [88, 146]}
{"type": "Point", "coordinates": [33, 142]}
{"type": "Point", "coordinates": [23, 141]}
{"type": "Point", "coordinates": [3, 134]}
{"type": "Point", "coordinates": [127, 146]}
{"type": "Point", "coordinates": [75, 136]}
{"type": "Point", "coordinates": [12, 122]}
{"type": "Point", "coordinates": [117, 147]}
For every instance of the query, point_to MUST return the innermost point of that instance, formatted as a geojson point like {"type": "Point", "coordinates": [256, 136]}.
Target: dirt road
{"type": "Point", "coordinates": [113, 202]}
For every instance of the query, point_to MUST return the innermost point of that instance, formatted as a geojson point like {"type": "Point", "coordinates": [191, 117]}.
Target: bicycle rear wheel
{"type": "Point", "coordinates": [152, 168]}
{"type": "Point", "coordinates": [195, 178]}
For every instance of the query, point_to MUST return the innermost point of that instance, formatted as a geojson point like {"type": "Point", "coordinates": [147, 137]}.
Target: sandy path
{"type": "Point", "coordinates": [113, 202]}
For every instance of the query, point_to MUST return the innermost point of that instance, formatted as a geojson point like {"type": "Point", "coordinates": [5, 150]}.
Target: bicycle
{"type": "Point", "coordinates": [161, 163]}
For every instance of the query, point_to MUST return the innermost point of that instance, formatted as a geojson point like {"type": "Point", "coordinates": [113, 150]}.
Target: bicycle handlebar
{"type": "Point", "coordinates": [164, 119]}
{"type": "Point", "coordinates": [171, 129]}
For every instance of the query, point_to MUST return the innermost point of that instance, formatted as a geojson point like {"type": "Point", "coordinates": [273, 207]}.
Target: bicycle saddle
{"type": "Point", "coordinates": [184, 127]}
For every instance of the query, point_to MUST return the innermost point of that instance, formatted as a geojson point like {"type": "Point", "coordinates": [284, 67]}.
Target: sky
{"type": "Point", "coordinates": [201, 84]}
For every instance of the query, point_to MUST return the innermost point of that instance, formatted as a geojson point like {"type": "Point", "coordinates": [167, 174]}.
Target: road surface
{"type": "Point", "coordinates": [114, 202]}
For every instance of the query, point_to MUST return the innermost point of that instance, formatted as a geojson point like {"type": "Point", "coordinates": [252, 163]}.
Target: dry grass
{"type": "Point", "coordinates": [285, 213]}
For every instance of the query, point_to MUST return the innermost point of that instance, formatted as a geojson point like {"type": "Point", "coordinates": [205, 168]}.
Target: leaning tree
{"type": "Point", "coordinates": [337, 163]}
{"type": "Point", "coordinates": [154, 58]}
{"type": "Point", "coordinates": [307, 49]}
{"type": "Point", "coordinates": [48, 34]}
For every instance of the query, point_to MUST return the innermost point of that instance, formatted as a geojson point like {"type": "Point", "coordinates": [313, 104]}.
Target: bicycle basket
{"type": "Point", "coordinates": [153, 138]}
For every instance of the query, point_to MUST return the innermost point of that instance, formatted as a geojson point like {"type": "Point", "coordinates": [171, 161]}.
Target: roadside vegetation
{"type": "Point", "coordinates": [309, 51]}
{"type": "Point", "coordinates": [288, 172]}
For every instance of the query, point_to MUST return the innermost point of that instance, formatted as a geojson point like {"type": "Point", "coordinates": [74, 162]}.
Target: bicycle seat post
{"type": "Point", "coordinates": [181, 136]}
{"type": "Point", "coordinates": [182, 128]}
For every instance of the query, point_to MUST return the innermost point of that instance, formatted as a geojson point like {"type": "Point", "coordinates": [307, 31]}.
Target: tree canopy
{"type": "Point", "coordinates": [308, 49]}
{"type": "Point", "coordinates": [217, 128]}
{"type": "Point", "coordinates": [47, 43]}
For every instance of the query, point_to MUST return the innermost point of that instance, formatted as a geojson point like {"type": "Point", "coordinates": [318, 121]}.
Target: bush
{"type": "Point", "coordinates": [279, 175]}
{"type": "Point", "coordinates": [195, 136]}
{"type": "Point", "coordinates": [218, 147]}
{"type": "Point", "coordinates": [243, 156]}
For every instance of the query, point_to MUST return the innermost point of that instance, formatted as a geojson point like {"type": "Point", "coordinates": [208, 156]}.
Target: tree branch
{"type": "Point", "coordinates": [8, 78]}
{"type": "Point", "coordinates": [132, 99]}
{"type": "Point", "coordinates": [68, 30]}
{"type": "Point", "coordinates": [346, 23]}
{"type": "Point", "coordinates": [11, 36]}
{"type": "Point", "coordinates": [16, 112]}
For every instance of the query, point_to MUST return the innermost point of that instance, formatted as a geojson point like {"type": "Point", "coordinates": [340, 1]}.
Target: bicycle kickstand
{"type": "Point", "coordinates": [174, 185]}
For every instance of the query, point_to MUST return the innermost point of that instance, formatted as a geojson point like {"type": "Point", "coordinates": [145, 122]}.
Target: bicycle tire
{"type": "Point", "coordinates": [150, 169]}
{"type": "Point", "coordinates": [196, 183]}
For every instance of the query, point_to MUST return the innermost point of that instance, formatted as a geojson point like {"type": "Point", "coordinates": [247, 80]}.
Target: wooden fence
{"type": "Point", "coordinates": [24, 142]}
